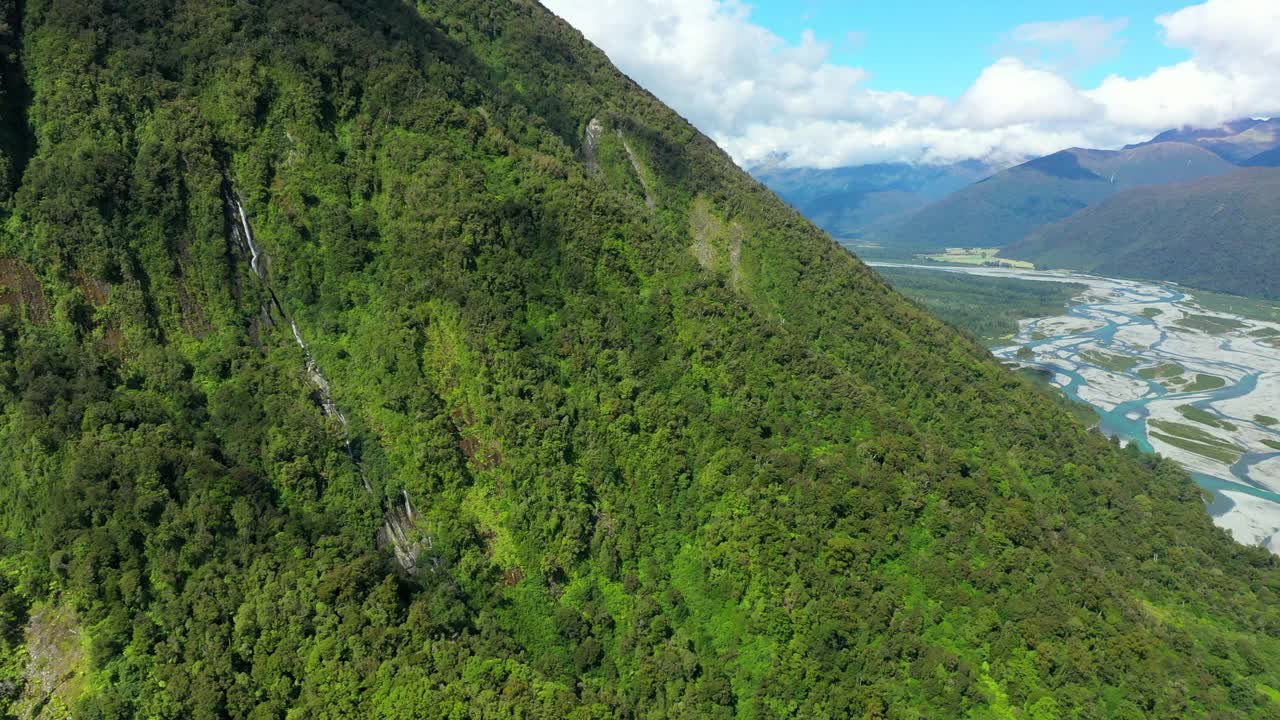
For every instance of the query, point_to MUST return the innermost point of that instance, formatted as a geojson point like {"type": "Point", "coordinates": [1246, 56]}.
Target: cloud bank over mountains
{"type": "Point", "coordinates": [763, 99]}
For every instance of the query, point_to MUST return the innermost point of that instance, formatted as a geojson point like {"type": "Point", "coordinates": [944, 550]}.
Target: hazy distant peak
{"type": "Point", "coordinates": [1236, 141]}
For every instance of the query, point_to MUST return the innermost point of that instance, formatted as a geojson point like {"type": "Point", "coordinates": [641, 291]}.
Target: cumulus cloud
{"type": "Point", "coordinates": [824, 144]}
{"type": "Point", "coordinates": [1228, 36]}
{"type": "Point", "coordinates": [1011, 93]}
{"type": "Point", "coordinates": [706, 59]}
{"type": "Point", "coordinates": [1235, 47]}
{"type": "Point", "coordinates": [764, 99]}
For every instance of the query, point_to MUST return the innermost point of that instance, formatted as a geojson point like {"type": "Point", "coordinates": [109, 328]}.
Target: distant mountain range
{"type": "Point", "coordinates": [1220, 233]}
{"type": "Point", "coordinates": [849, 201]}
{"type": "Point", "coordinates": [1199, 206]}
{"type": "Point", "coordinates": [1246, 142]}
{"type": "Point", "coordinates": [920, 207]}
{"type": "Point", "coordinates": [1013, 203]}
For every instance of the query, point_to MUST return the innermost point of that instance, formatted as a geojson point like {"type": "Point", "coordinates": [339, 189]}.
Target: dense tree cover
{"type": "Point", "coordinates": [990, 308]}
{"type": "Point", "coordinates": [670, 451]}
{"type": "Point", "coordinates": [13, 97]}
{"type": "Point", "coordinates": [1217, 234]}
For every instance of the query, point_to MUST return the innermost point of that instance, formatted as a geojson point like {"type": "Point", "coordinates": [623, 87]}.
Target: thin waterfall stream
{"type": "Point", "coordinates": [399, 520]}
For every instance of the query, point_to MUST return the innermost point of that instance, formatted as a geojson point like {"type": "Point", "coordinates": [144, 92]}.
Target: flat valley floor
{"type": "Point", "coordinates": [1196, 385]}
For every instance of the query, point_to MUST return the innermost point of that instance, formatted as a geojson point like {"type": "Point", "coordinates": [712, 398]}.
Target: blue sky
{"type": "Point", "coordinates": [829, 83]}
{"type": "Point", "coordinates": [937, 47]}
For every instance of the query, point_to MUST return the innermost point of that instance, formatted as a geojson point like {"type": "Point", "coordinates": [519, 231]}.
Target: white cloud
{"type": "Point", "coordinates": [706, 59]}
{"type": "Point", "coordinates": [825, 144]}
{"type": "Point", "coordinates": [1235, 47]}
{"type": "Point", "coordinates": [1067, 45]}
{"type": "Point", "coordinates": [1228, 36]}
{"type": "Point", "coordinates": [1011, 93]}
{"type": "Point", "coordinates": [763, 98]}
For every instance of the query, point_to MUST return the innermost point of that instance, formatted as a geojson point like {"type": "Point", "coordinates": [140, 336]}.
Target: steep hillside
{"type": "Point", "coordinates": [1219, 234]}
{"type": "Point", "coordinates": [1008, 206]}
{"type": "Point", "coordinates": [367, 359]}
{"type": "Point", "coordinates": [850, 201]}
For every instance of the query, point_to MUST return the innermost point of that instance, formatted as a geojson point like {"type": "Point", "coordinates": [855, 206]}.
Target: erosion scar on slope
{"type": "Point", "coordinates": [639, 170]}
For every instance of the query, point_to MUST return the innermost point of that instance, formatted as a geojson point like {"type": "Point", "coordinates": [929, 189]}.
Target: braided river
{"type": "Point", "coordinates": [1198, 386]}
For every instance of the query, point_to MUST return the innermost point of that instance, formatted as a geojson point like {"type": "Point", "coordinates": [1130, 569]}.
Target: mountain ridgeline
{"type": "Point", "coordinates": [1008, 206]}
{"type": "Point", "coordinates": [1249, 142]}
{"type": "Point", "coordinates": [1219, 233]}
{"type": "Point", "coordinates": [1216, 233]}
{"type": "Point", "coordinates": [850, 202]}
{"type": "Point", "coordinates": [371, 359]}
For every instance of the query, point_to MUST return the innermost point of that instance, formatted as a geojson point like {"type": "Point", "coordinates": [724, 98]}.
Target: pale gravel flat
{"type": "Point", "coordinates": [1138, 336]}
{"type": "Point", "coordinates": [1259, 402]}
{"type": "Point", "coordinates": [1267, 473]}
{"type": "Point", "coordinates": [1252, 520]}
{"type": "Point", "coordinates": [1110, 388]}
{"type": "Point", "coordinates": [1069, 323]}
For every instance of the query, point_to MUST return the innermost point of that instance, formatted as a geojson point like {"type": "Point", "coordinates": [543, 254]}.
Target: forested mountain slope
{"type": "Point", "coordinates": [1218, 234]}
{"type": "Point", "coordinates": [364, 359]}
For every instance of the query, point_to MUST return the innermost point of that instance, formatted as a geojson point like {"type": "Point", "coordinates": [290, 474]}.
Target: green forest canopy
{"type": "Point", "coordinates": [660, 447]}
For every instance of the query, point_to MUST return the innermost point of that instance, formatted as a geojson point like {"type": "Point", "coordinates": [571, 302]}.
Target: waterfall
{"type": "Point", "coordinates": [398, 522]}
{"type": "Point", "coordinates": [245, 233]}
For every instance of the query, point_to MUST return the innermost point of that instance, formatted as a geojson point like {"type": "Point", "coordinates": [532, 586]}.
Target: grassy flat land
{"type": "Point", "coordinates": [1204, 417]}
{"type": "Point", "coordinates": [977, 256]}
{"type": "Point", "coordinates": [1191, 432]}
{"type": "Point", "coordinates": [1205, 382]}
{"type": "Point", "coordinates": [1211, 324]}
{"type": "Point", "coordinates": [1253, 308]}
{"type": "Point", "coordinates": [1266, 420]}
{"type": "Point", "coordinates": [1110, 361]}
{"type": "Point", "coordinates": [989, 308]}
{"type": "Point", "coordinates": [1274, 445]}
{"type": "Point", "coordinates": [1228, 457]}
{"type": "Point", "coordinates": [1198, 441]}
{"type": "Point", "coordinates": [1152, 312]}
{"type": "Point", "coordinates": [1168, 370]}
{"type": "Point", "coordinates": [873, 252]}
